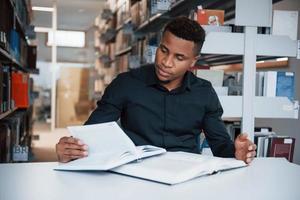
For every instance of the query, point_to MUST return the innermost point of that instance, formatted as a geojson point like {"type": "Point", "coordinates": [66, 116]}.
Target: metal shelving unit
{"type": "Point", "coordinates": [250, 45]}
{"type": "Point", "coordinates": [128, 49]}
{"type": "Point", "coordinates": [264, 107]}
{"type": "Point", "coordinates": [6, 58]}
{"type": "Point", "coordinates": [183, 7]}
{"type": "Point", "coordinates": [247, 47]}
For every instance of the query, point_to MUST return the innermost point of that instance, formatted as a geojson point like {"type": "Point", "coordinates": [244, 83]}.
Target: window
{"type": "Point", "coordinates": [67, 38]}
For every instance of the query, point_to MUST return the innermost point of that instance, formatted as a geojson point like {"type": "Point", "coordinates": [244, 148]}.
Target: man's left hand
{"type": "Point", "coordinates": [244, 149]}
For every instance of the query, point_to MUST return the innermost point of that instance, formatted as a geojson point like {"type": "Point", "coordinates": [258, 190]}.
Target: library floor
{"type": "Point", "coordinates": [44, 140]}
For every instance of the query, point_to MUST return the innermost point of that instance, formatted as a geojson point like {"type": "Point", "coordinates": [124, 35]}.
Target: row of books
{"type": "Point", "coordinates": [21, 51]}
{"type": "Point", "coordinates": [12, 39]}
{"type": "Point", "coordinates": [269, 144]}
{"type": "Point", "coordinates": [6, 24]}
{"type": "Point", "coordinates": [15, 89]}
{"type": "Point", "coordinates": [21, 10]}
{"type": "Point", "coordinates": [18, 48]}
{"type": "Point", "coordinates": [15, 134]}
{"type": "Point", "coordinates": [275, 83]}
{"type": "Point", "coordinates": [268, 83]}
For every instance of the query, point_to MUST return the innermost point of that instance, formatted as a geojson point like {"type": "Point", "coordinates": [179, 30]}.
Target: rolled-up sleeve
{"type": "Point", "coordinates": [214, 128]}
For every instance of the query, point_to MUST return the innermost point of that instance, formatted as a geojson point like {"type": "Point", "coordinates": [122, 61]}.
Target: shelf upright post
{"type": "Point", "coordinates": [249, 71]}
{"type": "Point", "coordinates": [53, 66]}
{"type": "Point", "coordinates": [256, 14]}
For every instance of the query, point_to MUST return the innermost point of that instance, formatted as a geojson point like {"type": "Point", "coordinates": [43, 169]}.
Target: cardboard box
{"type": "Point", "coordinates": [119, 40]}
{"type": "Point", "coordinates": [135, 14]}
{"type": "Point", "coordinates": [73, 102]}
{"type": "Point", "coordinates": [210, 17]}
{"type": "Point", "coordinates": [144, 11]}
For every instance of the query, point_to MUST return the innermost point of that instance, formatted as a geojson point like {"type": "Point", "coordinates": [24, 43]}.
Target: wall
{"type": "Point", "coordinates": [289, 127]}
{"type": "Point", "coordinates": [66, 57]}
{"type": "Point", "coordinates": [43, 79]}
{"type": "Point", "coordinates": [67, 54]}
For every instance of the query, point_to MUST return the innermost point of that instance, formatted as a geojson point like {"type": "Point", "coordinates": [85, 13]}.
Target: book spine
{"type": "Point", "coordinates": [282, 147]}
{"type": "Point", "coordinates": [285, 85]}
{"type": "Point", "coordinates": [5, 143]}
{"type": "Point", "coordinates": [1, 89]}
{"type": "Point", "coordinates": [20, 90]}
{"type": "Point", "coordinates": [270, 80]}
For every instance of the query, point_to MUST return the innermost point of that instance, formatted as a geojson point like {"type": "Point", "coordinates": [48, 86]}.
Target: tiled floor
{"type": "Point", "coordinates": [43, 144]}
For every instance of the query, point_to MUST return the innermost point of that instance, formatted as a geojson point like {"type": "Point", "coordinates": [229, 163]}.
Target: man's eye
{"type": "Point", "coordinates": [180, 58]}
{"type": "Point", "coordinates": [163, 50]}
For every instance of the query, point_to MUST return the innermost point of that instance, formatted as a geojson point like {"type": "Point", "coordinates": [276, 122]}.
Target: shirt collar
{"type": "Point", "coordinates": [153, 80]}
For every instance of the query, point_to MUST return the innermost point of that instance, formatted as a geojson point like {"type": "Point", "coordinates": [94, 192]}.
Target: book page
{"type": "Point", "coordinates": [177, 167]}
{"type": "Point", "coordinates": [145, 151]}
{"type": "Point", "coordinates": [108, 147]}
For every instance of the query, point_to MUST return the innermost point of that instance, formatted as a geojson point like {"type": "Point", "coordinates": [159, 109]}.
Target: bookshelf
{"type": "Point", "coordinates": [119, 53]}
{"type": "Point", "coordinates": [247, 45]}
{"type": "Point", "coordinates": [5, 114]}
{"type": "Point", "coordinates": [17, 62]}
{"type": "Point", "coordinates": [264, 107]}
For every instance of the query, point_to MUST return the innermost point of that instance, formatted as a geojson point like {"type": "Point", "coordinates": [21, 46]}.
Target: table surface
{"type": "Point", "coordinates": [265, 178]}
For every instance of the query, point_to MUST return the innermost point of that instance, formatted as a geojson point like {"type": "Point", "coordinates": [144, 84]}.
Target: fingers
{"type": "Point", "coordinates": [249, 160]}
{"type": "Point", "coordinates": [71, 140]}
{"type": "Point", "coordinates": [74, 146]}
{"type": "Point", "coordinates": [252, 147]}
{"type": "Point", "coordinates": [245, 149]}
{"type": "Point", "coordinates": [250, 157]}
{"type": "Point", "coordinates": [251, 154]}
{"type": "Point", "coordinates": [69, 148]}
{"type": "Point", "coordinates": [243, 136]}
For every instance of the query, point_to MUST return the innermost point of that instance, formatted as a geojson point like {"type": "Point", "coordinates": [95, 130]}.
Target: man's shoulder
{"type": "Point", "coordinates": [142, 72]}
{"type": "Point", "coordinates": [138, 74]}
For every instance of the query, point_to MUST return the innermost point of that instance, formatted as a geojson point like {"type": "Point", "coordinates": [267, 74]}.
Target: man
{"type": "Point", "coordinates": [164, 104]}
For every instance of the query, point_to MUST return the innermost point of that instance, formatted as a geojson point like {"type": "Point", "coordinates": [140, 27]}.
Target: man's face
{"type": "Point", "coordinates": [174, 57]}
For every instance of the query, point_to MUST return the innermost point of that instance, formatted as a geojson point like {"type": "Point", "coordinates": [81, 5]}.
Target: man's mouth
{"type": "Point", "coordinates": [162, 72]}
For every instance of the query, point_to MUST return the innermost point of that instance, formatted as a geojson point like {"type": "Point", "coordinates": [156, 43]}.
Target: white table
{"type": "Point", "coordinates": [267, 178]}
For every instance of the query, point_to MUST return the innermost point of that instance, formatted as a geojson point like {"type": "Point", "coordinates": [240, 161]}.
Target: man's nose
{"type": "Point", "coordinates": [168, 61]}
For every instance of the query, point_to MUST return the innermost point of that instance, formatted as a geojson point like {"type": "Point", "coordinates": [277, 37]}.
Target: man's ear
{"type": "Point", "coordinates": [196, 58]}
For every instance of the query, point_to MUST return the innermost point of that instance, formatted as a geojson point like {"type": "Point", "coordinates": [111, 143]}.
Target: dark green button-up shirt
{"type": "Point", "coordinates": [150, 114]}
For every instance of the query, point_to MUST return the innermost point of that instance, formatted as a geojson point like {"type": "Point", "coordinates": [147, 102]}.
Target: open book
{"type": "Point", "coordinates": [109, 147]}
{"type": "Point", "coordinates": [177, 167]}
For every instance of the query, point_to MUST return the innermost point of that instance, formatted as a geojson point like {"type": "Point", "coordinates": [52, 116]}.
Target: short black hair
{"type": "Point", "coordinates": [187, 29]}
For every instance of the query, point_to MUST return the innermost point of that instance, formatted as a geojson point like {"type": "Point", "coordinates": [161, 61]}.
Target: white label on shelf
{"type": "Point", "coordinates": [298, 50]}
{"type": "Point", "coordinates": [264, 130]}
{"type": "Point", "coordinates": [288, 141]}
{"type": "Point", "coordinates": [163, 4]}
{"type": "Point", "coordinates": [287, 107]}
{"type": "Point", "coordinates": [20, 153]}
{"type": "Point", "coordinates": [289, 73]}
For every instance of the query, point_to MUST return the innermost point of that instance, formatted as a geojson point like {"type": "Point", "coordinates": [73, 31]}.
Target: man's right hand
{"type": "Point", "coordinates": [69, 148]}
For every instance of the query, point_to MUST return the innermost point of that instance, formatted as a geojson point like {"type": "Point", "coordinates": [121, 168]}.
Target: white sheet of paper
{"type": "Point", "coordinates": [107, 147]}
{"type": "Point", "coordinates": [103, 137]}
